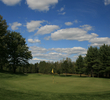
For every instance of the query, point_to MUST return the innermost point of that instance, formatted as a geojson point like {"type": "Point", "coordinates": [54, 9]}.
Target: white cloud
{"type": "Point", "coordinates": [86, 27]}
{"type": "Point", "coordinates": [55, 54]}
{"type": "Point", "coordinates": [79, 34]}
{"type": "Point", "coordinates": [37, 59]}
{"type": "Point", "coordinates": [34, 41]}
{"type": "Point", "coordinates": [11, 2]}
{"type": "Point", "coordinates": [100, 41]}
{"type": "Point", "coordinates": [41, 5]}
{"type": "Point", "coordinates": [38, 50]}
{"type": "Point", "coordinates": [69, 51]}
{"type": "Point", "coordinates": [15, 25]}
{"type": "Point", "coordinates": [47, 29]}
{"type": "Point", "coordinates": [51, 56]}
{"type": "Point", "coordinates": [33, 25]}
{"type": "Point", "coordinates": [76, 56]}
{"type": "Point", "coordinates": [47, 38]}
{"type": "Point", "coordinates": [68, 23]}
{"type": "Point", "coordinates": [62, 13]}
{"type": "Point", "coordinates": [61, 9]}
{"type": "Point", "coordinates": [106, 2]}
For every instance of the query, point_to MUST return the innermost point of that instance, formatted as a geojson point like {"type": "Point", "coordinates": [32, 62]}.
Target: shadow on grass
{"type": "Point", "coordinates": [73, 76]}
{"type": "Point", "coordinates": [12, 73]}
{"type": "Point", "coordinates": [65, 75]}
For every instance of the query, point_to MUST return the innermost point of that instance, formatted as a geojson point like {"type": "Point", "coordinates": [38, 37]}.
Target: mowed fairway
{"type": "Point", "coordinates": [42, 87]}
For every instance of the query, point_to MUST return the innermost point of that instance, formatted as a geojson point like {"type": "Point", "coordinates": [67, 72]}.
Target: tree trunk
{"type": "Point", "coordinates": [14, 68]}
{"type": "Point", "coordinates": [88, 74]}
{"type": "Point", "coordinates": [80, 74]}
{"type": "Point", "coordinates": [91, 72]}
{"type": "Point", "coordinates": [1, 67]}
{"type": "Point", "coordinates": [23, 69]}
{"type": "Point", "coordinates": [106, 74]}
{"type": "Point", "coordinates": [109, 75]}
{"type": "Point", "coordinates": [98, 74]}
{"type": "Point", "coordinates": [65, 74]}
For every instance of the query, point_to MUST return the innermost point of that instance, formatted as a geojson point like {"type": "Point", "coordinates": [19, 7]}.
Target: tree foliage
{"type": "Point", "coordinates": [80, 64]}
{"type": "Point", "coordinates": [18, 53]}
{"type": "Point", "coordinates": [14, 55]}
{"type": "Point", "coordinates": [105, 59]}
{"type": "Point", "coordinates": [13, 49]}
{"type": "Point", "coordinates": [3, 50]}
{"type": "Point", "coordinates": [92, 58]}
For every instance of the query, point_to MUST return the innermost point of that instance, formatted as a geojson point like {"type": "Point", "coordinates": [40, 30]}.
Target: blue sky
{"type": "Point", "coordinates": [56, 29]}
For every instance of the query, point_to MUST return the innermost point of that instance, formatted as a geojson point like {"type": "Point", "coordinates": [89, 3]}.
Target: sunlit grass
{"type": "Point", "coordinates": [42, 85]}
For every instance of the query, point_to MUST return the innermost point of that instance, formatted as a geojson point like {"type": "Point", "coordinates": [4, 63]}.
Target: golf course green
{"type": "Point", "coordinates": [47, 87]}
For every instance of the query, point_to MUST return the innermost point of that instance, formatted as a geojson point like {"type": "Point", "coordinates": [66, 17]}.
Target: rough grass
{"type": "Point", "coordinates": [42, 87]}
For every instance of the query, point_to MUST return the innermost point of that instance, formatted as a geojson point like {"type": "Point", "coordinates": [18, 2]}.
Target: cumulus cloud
{"type": "Point", "coordinates": [86, 27]}
{"type": "Point", "coordinates": [11, 2]}
{"type": "Point", "coordinates": [41, 5]}
{"type": "Point", "coordinates": [38, 50]}
{"type": "Point", "coordinates": [43, 53]}
{"type": "Point", "coordinates": [74, 50]}
{"type": "Point", "coordinates": [47, 38]}
{"type": "Point", "coordinates": [68, 23]}
{"type": "Point", "coordinates": [37, 59]}
{"type": "Point", "coordinates": [47, 29]}
{"type": "Point", "coordinates": [51, 56]}
{"type": "Point", "coordinates": [33, 25]}
{"type": "Point", "coordinates": [106, 2]}
{"type": "Point", "coordinates": [55, 54]}
{"type": "Point", "coordinates": [34, 41]}
{"type": "Point", "coordinates": [100, 41]}
{"type": "Point", "coordinates": [76, 56]}
{"type": "Point", "coordinates": [15, 25]}
{"type": "Point", "coordinates": [79, 34]}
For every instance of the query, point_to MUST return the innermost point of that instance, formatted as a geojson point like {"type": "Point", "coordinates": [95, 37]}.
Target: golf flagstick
{"type": "Point", "coordinates": [53, 75]}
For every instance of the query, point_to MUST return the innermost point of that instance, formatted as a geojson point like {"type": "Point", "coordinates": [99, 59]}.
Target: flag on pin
{"type": "Point", "coordinates": [52, 71]}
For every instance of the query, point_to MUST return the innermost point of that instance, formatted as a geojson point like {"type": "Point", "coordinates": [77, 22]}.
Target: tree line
{"type": "Point", "coordinates": [96, 63]}
{"type": "Point", "coordinates": [14, 56]}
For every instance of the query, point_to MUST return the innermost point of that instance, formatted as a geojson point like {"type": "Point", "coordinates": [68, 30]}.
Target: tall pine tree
{"type": "Point", "coordinates": [80, 64]}
{"type": "Point", "coordinates": [92, 58]}
{"type": "Point", "coordinates": [105, 60]}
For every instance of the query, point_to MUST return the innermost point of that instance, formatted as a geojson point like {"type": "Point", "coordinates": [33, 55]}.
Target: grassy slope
{"type": "Point", "coordinates": [41, 87]}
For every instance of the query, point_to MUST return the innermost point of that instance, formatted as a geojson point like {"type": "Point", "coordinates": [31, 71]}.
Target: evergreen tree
{"type": "Point", "coordinates": [65, 67]}
{"type": "Point", "coordinates": [80, 64]}
{"type": "Point", "coordinates": [105, 60]}
{"type": "Point", "coordinates": [92, 58]}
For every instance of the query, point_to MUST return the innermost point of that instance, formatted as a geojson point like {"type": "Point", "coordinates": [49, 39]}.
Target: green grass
{"type": "Point", "coordinates": [41, 87]}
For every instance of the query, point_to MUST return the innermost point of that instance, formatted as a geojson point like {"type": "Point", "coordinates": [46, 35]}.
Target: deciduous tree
{"type": "Point", "coordinates": [18, 53]}
{"type": "Point", "coordinates": [3, 49]}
